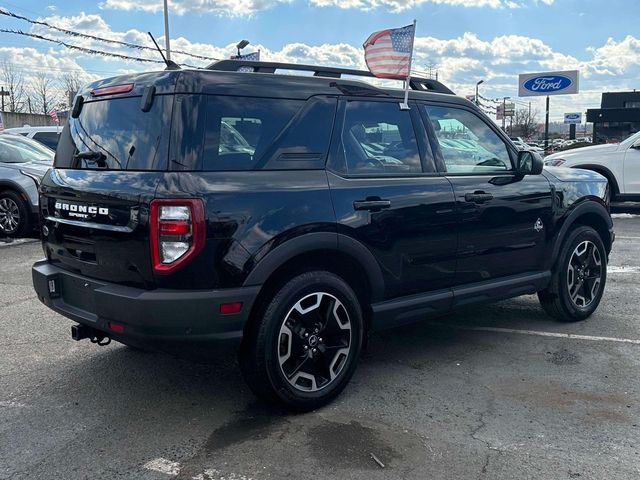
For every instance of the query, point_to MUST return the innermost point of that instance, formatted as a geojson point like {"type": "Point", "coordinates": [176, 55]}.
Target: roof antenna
{"type": "Point", "coordinates": [171, 65]}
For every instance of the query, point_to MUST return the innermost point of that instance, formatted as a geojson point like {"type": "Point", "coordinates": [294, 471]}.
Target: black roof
{"type": "Point", "coordinates": [224, 78]}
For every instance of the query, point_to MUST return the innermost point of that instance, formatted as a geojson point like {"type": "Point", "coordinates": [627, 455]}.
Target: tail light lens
{"type": "Point", "coordinates": [177, 233]}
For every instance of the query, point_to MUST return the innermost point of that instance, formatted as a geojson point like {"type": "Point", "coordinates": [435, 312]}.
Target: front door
{"type": "Point", "coordinates": [388, 196]}
{"type": "Point", "coordinates": [632, 168]}
{"type": "Point", "coordinates": [504, 218]}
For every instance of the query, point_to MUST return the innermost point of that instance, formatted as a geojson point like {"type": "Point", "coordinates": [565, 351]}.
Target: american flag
{"type": "Point", "coordinates": [54, 116]}
{"type": "Point", "coordinates": [388, 52]}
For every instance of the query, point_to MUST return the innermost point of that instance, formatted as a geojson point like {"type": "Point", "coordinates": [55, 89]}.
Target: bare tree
{"type": "Point", "coordinates": [13, 82]}
{"type": "Point", "coordinates": [525, 123]}
{"type": "Point", "coordinates": [71, 83]}
{"type": "Point", "coordinates": [43, 93]}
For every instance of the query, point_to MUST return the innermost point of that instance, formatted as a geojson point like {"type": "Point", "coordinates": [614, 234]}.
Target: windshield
{"type": "Point", "coordinates": [116, 134]}
{"type": "Point", "coordinates": [12, 151]}
{"type": "Point", "coordinates": [632, 139]}
{"type": "Point", "coordinates": [39, 149]}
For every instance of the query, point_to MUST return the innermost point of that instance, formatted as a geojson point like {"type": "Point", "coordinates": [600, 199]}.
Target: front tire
{"type": "Point", "coordinates": [305, 347]}
{"type": "Point", "coordinates": [579, 278]}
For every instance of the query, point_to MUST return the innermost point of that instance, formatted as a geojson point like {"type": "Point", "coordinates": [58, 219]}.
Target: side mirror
{"type": "Point", "coordinates": [529, 163]}
{"type": "Point", "coordinates": [636, 145]}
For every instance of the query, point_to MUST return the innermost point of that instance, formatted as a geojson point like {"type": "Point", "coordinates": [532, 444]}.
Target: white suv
{"type": "Point", "coordinates": [619, 162]}
{"type": "Point", "coordinates": [46, 135]}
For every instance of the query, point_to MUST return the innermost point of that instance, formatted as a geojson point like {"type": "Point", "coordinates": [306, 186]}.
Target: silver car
{"type": "Point", "coordinates": [23, 163]}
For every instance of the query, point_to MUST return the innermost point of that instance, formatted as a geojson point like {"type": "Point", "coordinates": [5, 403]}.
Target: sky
{"type": "Point", "coordinates": [466, 40]}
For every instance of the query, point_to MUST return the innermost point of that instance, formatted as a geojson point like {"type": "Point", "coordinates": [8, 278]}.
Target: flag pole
{"type": "Point", "coordinates": [407, 83]}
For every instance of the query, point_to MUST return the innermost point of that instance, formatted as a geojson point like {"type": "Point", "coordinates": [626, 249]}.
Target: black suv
{"type": "Point", "coordinates": [297, 213]}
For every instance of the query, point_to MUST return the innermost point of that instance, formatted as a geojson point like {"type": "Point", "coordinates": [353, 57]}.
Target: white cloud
{"type": "Point", "coordinates": [218, 7]}
{"type": "Point", "coordinates": [249, 7]}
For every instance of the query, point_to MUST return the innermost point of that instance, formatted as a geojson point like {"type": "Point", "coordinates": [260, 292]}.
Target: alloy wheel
{"type": "Point", "coordinates": [9, 215]}
{"type": "Point", "coordinates": [584, 274]}
{"type": "Point", "coordinates": [314, 342]}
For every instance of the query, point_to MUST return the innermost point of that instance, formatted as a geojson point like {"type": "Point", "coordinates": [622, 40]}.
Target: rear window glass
{"type": "Point", "coordinates": [121, 135]}
{"type": "Point", "coordinates": [50, 139]}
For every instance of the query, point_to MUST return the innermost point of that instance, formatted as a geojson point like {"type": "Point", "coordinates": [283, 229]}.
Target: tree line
{"type": "Point", "coordinates": [40, 92]}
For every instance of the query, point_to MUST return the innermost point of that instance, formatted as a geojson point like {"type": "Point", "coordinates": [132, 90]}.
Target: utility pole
{"type": "Point", "coordinates": [477, 93]}
{"type": "Point", "coordinates": [546, 128]}
{"type": "Point", "coordinates": [166, 29]}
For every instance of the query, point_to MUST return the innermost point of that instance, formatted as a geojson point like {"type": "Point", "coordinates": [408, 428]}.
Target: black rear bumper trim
{"type": "Point", "coordinates": [162, 314]}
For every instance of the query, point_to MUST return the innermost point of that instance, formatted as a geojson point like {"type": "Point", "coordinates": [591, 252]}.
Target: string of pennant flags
{"type": "Point", "coordinates": [74, 33]}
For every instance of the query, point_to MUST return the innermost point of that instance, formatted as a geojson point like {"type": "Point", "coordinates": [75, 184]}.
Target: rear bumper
{"type": "Point", "coordinates": [173, 315]}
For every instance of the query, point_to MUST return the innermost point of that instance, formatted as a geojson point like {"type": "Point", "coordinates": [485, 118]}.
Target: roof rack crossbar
{"type": "Point", "coordinates": [416, 83]}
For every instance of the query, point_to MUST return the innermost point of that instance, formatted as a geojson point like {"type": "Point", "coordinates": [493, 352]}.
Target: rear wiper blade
{"type": "Point", "coordinates": [91, 156]}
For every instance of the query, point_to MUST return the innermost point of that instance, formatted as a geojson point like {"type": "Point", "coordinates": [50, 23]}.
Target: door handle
{"type": "Point", "coordinates": [372, 204]}
{"type": "Point", "coordinates": [478, 197]}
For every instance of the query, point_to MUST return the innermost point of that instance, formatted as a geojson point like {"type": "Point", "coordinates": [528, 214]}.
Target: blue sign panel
{"type": "Point", "coordinates": [550, 83]}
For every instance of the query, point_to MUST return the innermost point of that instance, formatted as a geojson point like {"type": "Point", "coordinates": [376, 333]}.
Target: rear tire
{"type": "Point", "coordinates": [15, 220]}
{"type": "Point", "coordinates": [305, 346]}
{"type": "Point", "coordinates": [579, 278]}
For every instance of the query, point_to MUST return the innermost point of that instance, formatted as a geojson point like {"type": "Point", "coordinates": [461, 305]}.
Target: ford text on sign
{"type": "Point", "coordinates": [570, 118]}
{"type": "Point", "coordinates": [548, 83]}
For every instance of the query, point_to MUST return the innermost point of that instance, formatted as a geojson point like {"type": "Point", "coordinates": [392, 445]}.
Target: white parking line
{"type": "Point", "coordinates": [162, 465]}
{"type": "Point", "coordinates": [626, 238]}
{"type": "Point", "coordinates": [622, 269]}
{"type": "Point", "coordinates": [537, 333]}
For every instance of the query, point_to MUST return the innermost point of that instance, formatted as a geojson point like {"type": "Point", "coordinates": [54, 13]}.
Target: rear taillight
{"type": "Point", "coordinates": [177, 233]}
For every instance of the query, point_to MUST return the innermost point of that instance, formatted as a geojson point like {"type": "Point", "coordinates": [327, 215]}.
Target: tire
{"type": "Point", "coordinates": [15, 220]}
{"type": "Point", "coordinates": [573, 294]}
{"type": "Point", "coordinates": [285, 359]}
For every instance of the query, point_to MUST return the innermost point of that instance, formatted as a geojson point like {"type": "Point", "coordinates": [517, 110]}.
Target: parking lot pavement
{"type": "Point", "coordinates": [495, 392]}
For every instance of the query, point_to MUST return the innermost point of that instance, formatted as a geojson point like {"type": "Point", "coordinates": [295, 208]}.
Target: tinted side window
{"type": "Point", "coordinates": [239, 131]}
{"type": "Point", "coordinates": [377, 138]}
{"type": "Point", "coordinates": [467, 143]}
{"type": "Point", "coordinates": [50, 139]}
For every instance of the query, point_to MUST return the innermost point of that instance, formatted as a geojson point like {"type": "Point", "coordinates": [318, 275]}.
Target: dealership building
{"type": "Point", "coordinates": [617, 118]}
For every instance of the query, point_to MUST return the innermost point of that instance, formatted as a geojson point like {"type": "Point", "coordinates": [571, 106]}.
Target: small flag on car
{"type": "Point", "coordinates": [54, 116]}
{"type": "Point", "coordinates": [388, 52]}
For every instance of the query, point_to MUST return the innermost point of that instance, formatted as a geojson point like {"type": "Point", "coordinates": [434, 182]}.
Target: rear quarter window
{"type": "Point", "coordinates": [247, 133]}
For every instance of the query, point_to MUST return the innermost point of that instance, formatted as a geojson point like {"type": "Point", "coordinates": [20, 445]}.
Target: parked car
{"type": "Point", "coordinates": [48, 136]}
{"type": "Point", "coordinates": [522, 145]}
{"type": "Point", "coordinates": [336, 213]}
{"type": "Point", "coordinates": [23, 163]}
{"type": "Point", "coordinates": [618, 162]}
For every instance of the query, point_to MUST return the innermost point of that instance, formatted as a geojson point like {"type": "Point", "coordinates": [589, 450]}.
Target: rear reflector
{"type": "Point", "coordinates": [116, 327]}
{"type": "Point", "coordinates": [114, 90]}
{"type": "Point", "coordinates": [230, 308]}
{"type": "Point", "coordinates": [174, 227]}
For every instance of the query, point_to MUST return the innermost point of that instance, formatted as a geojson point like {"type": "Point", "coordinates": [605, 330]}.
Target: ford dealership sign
{"type": "Point", "coordinates": [548, 83]}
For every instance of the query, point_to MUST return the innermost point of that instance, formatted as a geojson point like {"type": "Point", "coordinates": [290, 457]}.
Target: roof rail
{"type": "Point", "coordinates": [416, 83]}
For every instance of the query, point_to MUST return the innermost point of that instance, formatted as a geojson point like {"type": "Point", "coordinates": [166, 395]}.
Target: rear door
{"type": "Point", "coordinates": [95, 202]}
{"type": "Point", "coordinates": [504, 217]}
{"type": "Point", "coordinates": [388, 196]}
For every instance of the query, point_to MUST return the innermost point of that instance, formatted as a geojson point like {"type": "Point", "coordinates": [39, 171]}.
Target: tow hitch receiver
{"type": "Point", "coordinates": [80, 332]}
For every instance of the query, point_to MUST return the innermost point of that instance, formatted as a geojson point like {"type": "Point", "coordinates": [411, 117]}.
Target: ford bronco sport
{"type": "Point", "coordinates": [297, 213]}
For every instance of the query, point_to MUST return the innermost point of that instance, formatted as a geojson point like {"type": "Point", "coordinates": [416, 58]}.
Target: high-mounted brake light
{"type": "Point", "coordinates": [177, 230]}
{"type": "Point", "coordinates": [114, 90]}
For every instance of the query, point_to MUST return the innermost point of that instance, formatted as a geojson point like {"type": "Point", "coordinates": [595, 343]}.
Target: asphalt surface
{"type": "Point", "coordinates": [462, 397]}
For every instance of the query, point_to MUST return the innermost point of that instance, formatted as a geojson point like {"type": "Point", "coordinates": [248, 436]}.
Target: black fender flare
{"type": "Point", "coordinates": [579, 210]}
{"type": "Point", "coordinates": [310, 242]}
{"type": "Point", "coordinates": [602, 170]}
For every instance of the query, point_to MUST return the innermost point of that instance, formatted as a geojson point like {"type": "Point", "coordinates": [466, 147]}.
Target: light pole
{"type": "Point", "coordinates": [504, 113]}
{"type": "Point", "coordinates": [241, 44]}
{"type": "Point", "coordinates": [166, 30]}
{"type": "Point", "coordinates": [477, 85]}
